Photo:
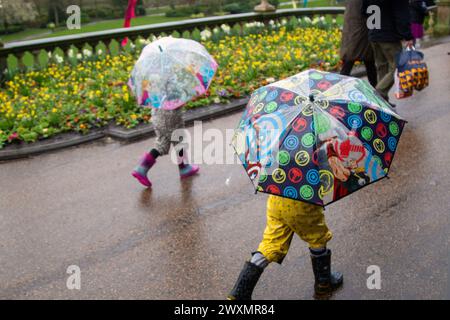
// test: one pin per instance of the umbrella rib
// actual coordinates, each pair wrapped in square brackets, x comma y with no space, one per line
[316,139]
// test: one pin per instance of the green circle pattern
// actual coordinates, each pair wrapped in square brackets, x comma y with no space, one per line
[308,140]
[316,76]
[283,158]
[355,107]
[271,107]
[367,133]
[307,192]
[393,128]
[262,177]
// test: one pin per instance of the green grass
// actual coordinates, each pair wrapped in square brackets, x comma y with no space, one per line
[114,24]
[21,35]
[98,26]
[311,4]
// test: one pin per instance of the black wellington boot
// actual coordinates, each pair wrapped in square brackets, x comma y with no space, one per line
[325,281]
[246,282]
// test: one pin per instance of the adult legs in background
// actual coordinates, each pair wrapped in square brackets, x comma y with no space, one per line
[385,53]
[347,67]
[371,70]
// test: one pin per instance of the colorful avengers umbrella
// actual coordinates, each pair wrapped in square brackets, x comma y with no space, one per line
[316,137]
[171,72]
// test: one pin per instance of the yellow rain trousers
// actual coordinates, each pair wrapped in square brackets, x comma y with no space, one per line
[286,217]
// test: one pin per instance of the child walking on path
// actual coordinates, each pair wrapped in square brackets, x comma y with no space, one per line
[164,122]
[169,73]
[284,218]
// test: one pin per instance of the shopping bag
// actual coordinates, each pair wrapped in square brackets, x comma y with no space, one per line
[411,73]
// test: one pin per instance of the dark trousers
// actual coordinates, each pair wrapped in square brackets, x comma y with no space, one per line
[370,68]
[385,53]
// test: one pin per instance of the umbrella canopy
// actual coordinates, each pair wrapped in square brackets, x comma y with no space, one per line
[171,72]
[316,137]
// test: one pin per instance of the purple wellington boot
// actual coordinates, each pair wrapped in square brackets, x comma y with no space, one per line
[140,172]
[186,170]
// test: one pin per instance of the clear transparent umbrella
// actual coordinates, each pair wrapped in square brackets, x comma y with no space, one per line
[171,72]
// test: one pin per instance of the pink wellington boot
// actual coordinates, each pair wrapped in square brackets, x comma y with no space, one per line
[140,172]
[186,170]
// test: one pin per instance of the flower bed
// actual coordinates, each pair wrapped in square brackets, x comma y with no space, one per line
[93,92]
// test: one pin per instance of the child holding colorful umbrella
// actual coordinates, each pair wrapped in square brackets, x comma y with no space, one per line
[329,136]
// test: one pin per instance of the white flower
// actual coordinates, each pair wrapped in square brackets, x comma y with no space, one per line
[333,21]
[70,53]
[59,59]
[283,22]
[216,30]
[322,18]
[99,52]
[216,100]
[87,53]
[270,80]
[255,24]
[307,19]
[50,54]
[205,34]
[225,28]
[79,56]
[271,22]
